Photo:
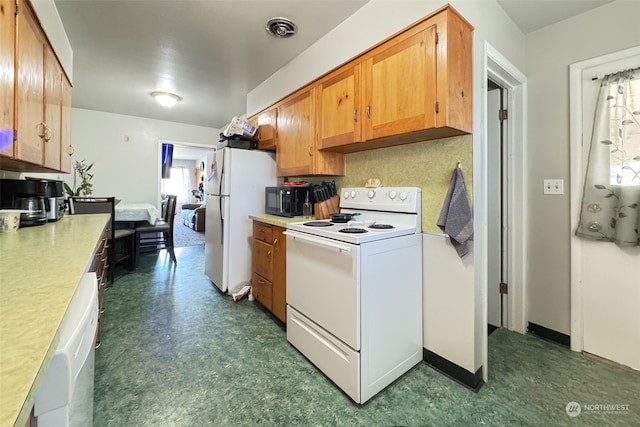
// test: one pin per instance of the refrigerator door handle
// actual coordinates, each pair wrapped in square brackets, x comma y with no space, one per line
[221,179]
[221,221]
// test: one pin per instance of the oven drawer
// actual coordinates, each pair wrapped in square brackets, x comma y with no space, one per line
[338,361]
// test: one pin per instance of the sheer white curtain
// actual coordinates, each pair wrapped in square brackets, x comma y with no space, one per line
[181,183]
[611,196]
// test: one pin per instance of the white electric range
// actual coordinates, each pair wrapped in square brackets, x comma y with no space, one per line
[354,290]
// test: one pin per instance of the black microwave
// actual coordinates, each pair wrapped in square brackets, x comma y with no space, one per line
[285,200]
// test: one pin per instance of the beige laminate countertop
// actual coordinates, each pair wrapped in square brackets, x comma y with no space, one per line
[280,221]
[40,268]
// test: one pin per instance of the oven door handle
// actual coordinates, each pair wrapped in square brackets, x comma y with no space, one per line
[317,241]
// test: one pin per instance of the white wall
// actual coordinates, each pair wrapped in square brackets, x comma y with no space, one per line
[126,150]
[549,53]
[458,342]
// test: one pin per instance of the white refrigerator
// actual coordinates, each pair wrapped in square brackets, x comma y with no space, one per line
[234,190]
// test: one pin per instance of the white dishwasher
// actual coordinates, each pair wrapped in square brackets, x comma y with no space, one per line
[65,397]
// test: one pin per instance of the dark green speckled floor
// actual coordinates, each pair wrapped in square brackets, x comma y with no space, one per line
[175,352]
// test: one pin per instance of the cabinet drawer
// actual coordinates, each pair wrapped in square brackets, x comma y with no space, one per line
[263,232]
[262,290]
[263,259]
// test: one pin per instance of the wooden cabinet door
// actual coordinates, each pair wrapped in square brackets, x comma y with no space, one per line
[7,38]
[279,304]
[52,110]
[65,127]
[29,88]
[338,108]
[262,291]
[400,86]
[267,124]
[262,259]
[455,73]
[295,122]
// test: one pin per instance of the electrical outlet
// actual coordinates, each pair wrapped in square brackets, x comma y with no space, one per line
[554,186]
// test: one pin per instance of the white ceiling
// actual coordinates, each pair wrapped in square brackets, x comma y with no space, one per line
[531,15]
[211,52]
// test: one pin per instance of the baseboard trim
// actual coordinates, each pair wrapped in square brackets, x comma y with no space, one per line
[549,334]
[457,373]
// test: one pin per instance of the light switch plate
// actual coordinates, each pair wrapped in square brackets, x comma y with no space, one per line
[554,186]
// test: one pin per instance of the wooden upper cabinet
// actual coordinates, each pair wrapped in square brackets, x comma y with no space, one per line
[41,98]
[29,88]
[298,153]
[65,127]
[267,124]
[295,135]
[7,38]
[415,86]
[399,86]
[339,112]
[455,74]
[52,110]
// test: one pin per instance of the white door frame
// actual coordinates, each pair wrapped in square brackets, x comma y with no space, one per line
[496,67]
[577,179]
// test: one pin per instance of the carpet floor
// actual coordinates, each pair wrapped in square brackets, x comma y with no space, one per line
[185,236]
[177,352]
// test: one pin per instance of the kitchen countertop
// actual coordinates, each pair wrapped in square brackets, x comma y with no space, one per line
[280,221]
[40,268]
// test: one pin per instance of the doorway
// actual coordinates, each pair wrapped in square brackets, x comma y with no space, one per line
[503,73]
[187,172]
[497,206]
[604,316]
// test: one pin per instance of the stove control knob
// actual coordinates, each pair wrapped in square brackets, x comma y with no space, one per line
[371,194]
[403,196]
[346,195]
[392,194]
[353,194]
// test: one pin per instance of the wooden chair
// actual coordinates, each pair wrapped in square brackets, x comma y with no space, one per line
[158,236]
[93,205]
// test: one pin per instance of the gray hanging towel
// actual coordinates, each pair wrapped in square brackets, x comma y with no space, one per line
[455,217]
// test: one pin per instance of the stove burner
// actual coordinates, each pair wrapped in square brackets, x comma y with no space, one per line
[381,226]
[318,224]
[353,230]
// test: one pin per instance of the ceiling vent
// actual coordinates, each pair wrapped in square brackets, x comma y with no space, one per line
[281,28]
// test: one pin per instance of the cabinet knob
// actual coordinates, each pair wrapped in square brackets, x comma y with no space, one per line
[368,111]
[355,114]
[41,129]
[309,151]
[47,133]
[275,242]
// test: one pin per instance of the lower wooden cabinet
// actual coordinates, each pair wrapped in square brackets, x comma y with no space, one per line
[99,266]
[268,280]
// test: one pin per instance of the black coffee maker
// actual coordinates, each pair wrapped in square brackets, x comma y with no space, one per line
[54,203]
[28,195]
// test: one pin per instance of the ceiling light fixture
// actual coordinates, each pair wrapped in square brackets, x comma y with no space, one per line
[281,27]
[166,99]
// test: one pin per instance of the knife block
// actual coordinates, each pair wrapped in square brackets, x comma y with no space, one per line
[323,209]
